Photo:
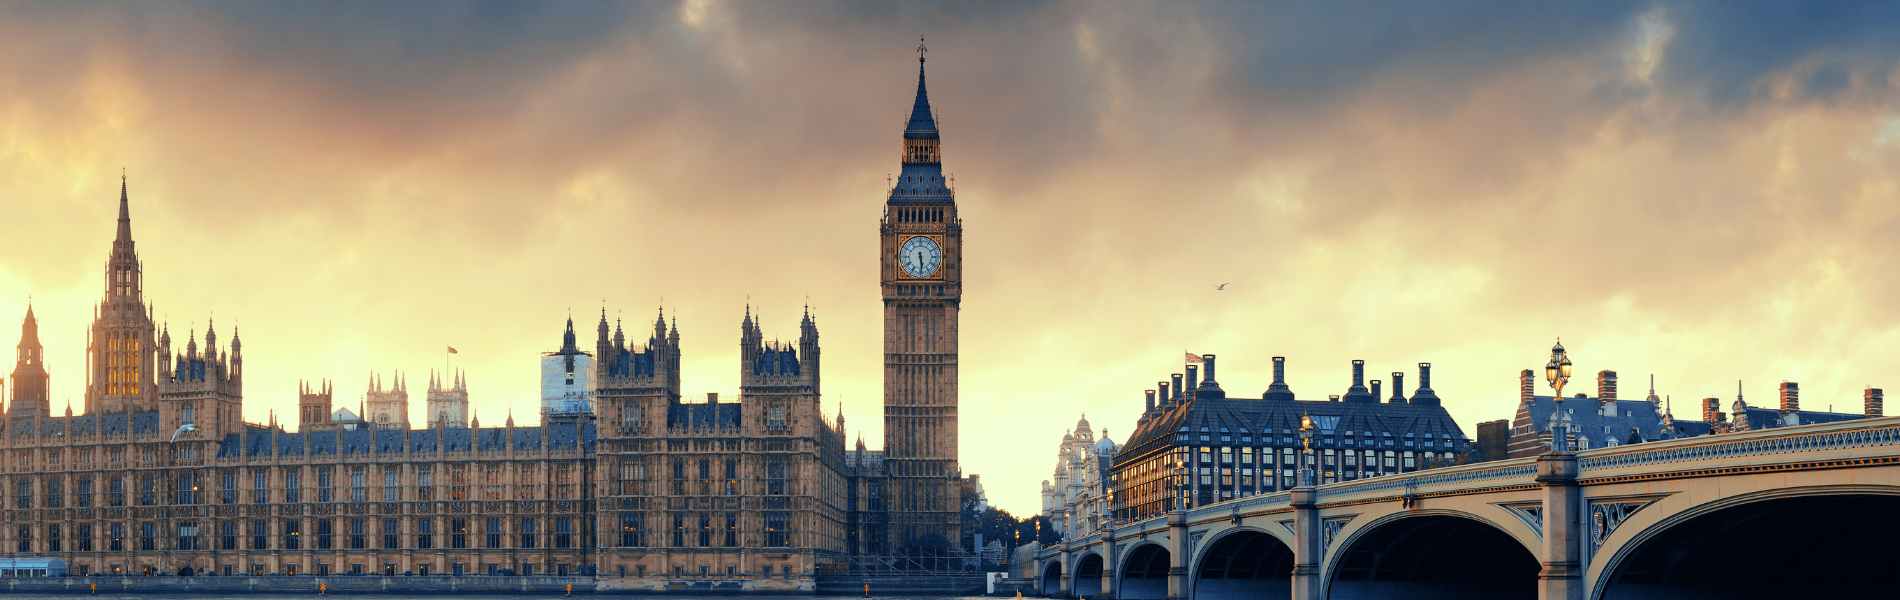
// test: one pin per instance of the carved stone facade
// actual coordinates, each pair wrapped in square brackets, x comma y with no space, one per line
[161,475]
[922,282]
[1075,498]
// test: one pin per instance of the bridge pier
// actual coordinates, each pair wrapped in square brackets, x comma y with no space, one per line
[1177,555]
[1306,542]
[1063,589]
[1561,577]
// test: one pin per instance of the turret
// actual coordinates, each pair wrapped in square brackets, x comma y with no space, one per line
[30,392]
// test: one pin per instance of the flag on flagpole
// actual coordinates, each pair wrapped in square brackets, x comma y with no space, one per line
[1193,358]
[452,350]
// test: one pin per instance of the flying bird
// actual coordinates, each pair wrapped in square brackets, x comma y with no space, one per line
[1222,286]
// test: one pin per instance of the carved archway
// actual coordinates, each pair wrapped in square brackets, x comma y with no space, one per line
[1431,554]
[1822,541]
[1242,562]
[1143,574]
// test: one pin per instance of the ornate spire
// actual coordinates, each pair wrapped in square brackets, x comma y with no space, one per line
[922,125]
[125,212]
[29,329]
[567,338]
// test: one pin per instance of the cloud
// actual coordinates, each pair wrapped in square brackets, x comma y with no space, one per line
[1700,190]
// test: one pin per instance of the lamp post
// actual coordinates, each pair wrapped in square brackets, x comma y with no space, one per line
[1557,372]
[1306,450]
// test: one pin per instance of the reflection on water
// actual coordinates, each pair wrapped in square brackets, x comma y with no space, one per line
[4,596]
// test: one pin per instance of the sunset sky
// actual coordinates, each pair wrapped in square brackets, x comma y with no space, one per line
[1706,192]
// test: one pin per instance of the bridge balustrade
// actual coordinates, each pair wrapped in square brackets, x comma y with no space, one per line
[1598,523]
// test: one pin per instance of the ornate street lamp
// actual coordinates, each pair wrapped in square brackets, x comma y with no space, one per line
[1557,371]
[1306,450]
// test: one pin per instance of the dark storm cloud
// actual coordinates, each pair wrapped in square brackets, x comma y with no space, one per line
[1450,181]
[1725,52]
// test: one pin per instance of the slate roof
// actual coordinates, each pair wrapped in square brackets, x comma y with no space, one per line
[705,414]
[1260,422]
[1632,419]
[1770,418]
[256,442]
[922,125]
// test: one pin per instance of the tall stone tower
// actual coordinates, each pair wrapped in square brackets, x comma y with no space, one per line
[387,407]
[202,387]
[121,348]
[313,405]
[448,401]
[921,252]
[29,374]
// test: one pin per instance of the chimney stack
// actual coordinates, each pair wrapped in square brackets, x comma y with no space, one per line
[1150,402]
[1193,382]
[1873,396]
[1210,388]
[1177,387]
[712,398]
[1790,396]
[1526,386]
[1357,392]
[1375,390]
[1161,394]
[1712,410]
[1424,394]
[1398,387]
[1278,390]
[1606,386]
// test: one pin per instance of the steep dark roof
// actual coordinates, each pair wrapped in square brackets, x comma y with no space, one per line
[145,422]
[1252,421]
[922,125]
[1596,430]
[705,414]
[1770,418]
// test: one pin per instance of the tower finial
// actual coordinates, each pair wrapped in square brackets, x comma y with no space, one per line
[921,49]
[125,211]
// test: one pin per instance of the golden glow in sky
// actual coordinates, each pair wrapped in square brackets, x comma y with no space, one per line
[355,190]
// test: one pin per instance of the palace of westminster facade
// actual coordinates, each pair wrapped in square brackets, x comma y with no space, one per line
[161,474]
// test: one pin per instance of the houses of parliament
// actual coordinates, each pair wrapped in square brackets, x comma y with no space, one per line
[624,479]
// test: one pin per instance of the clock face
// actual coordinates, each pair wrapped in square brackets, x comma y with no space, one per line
[920,257]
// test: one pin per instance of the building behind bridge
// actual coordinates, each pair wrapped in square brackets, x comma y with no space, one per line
[1195,445]
[1607,420]
[1075,498]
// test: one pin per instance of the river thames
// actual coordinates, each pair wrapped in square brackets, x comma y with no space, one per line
[451,597]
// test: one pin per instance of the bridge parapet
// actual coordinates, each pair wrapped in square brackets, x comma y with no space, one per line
[1857,439]
[1607,503]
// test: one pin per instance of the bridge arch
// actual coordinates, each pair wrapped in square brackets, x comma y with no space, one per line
[1143,574]
[1829,541]
[1430,554]
[1051,579]
[1241,562]
[1086,578]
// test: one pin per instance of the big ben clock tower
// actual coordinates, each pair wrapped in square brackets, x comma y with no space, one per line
[921,245]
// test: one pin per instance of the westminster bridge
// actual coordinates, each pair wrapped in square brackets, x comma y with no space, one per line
[1808,511]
